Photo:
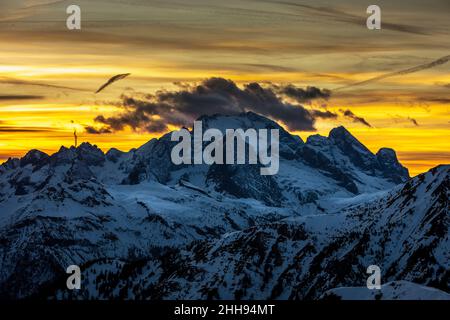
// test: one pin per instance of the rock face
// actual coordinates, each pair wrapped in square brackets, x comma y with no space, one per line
[141,227]
[357,153]
[392,169]
[245,181]
[350,161]
[34,157]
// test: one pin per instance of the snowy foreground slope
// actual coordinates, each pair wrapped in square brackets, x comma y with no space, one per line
[142,228]
[395,290]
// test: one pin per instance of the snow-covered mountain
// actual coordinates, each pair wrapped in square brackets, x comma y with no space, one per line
[141,227]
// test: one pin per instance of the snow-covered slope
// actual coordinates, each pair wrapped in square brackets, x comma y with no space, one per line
[166,231]
[404,231]
[395,290]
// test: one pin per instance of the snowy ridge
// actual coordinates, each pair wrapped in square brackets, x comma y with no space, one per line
[395,290]
[143,228]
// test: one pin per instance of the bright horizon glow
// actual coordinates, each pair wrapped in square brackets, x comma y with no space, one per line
[48,75]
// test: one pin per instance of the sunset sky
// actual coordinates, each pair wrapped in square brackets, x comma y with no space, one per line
[48,74]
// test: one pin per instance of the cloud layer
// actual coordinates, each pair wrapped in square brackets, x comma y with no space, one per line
[154,112]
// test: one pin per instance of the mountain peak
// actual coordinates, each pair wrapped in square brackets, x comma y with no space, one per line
[387,153]
[87,152]
[389,162]
[250,120]
[10,164]
[90,153]
[340,129]
[33,157]
[316,140]
[64,155]
[341,133]
[244,120]
[343,139]
[86,144]
[114,154]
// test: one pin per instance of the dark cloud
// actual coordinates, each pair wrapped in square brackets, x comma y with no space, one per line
[324,114]
[441,100]
[26,129]
[20,97]
[302,95]
[181,107]
[350,115]
[156,126]
[413,121]
[92,130]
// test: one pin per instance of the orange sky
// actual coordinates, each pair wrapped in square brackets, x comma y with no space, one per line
[320,44]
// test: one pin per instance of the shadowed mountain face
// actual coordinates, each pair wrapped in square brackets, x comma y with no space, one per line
[134,220]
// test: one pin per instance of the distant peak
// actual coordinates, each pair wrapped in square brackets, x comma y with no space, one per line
[64,149]
[83,147]
[340,131]
[87,152]
[389,162]
[33,156]
[341,135]
[87,146]
[387,153]
[114,154]
[114,151]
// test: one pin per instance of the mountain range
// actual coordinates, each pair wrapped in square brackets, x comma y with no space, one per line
[141,227]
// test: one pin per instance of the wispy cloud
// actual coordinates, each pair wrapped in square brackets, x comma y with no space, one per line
[398,118]
[20,82]
[350,115]
[440,100]
[418,68]
[93,130]
[342,16]
[414,121]
[16,129]
[20,97]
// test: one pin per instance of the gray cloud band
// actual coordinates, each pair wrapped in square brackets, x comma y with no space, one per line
[154,112]
[421,67]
